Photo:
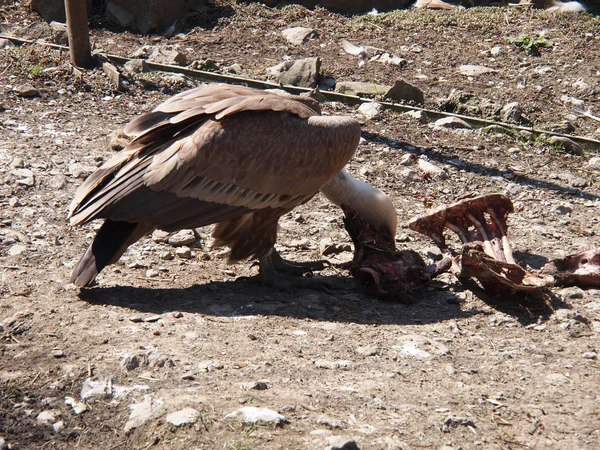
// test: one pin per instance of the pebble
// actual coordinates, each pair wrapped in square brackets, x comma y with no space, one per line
[256,385]
[136,319]
[590,355]
[511,112]
[142,413]
[58,353]
[370,110]
[451,122]
[252,414]
[16,249]
[78,407]
[421,116]
[154,318]
[160,236]
[183,417]
[184,252]
[45,417]
[324,419]
[324,364]
[58,426]
[152,273]
[298,35]
[370,350]
[177,314]
[594,162]
[183,237]
[26,90]
[567,144]
[342,443]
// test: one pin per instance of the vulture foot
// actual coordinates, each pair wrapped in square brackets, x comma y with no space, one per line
[380,269]
[286,276]
[273,262]
[581,269]
[480,223]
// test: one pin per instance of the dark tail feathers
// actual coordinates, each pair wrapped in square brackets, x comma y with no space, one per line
[110,243]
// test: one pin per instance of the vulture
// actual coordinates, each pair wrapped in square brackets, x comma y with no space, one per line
[233,156]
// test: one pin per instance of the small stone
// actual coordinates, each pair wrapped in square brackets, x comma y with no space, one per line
[419,115]
[471,70]
[342,443]
[46,417]
[594,163]
[136,319]
[184,252]
[567,144]
[431,169]
[451,122]
[168,56]
[58,426]
[154,318]
[152,273]
[590,355]
[361,89]
[450,369]
[143,412]
[183,417]
[370,350]
[563,209]
[408,159]
[26,90]
[58,353]
[24,177]
[182,237]
[18,163]
[495,51]
[160,236]
[177,314]
[511,112]
[95,389]
[324,364]
[16,249]
[324,419]
[78,407]
[301,72]
[130,362]
[298,35]
[371,110]
[235,69]
[136,66]
[252,414]
[403,91]
[59,33]
[256,385]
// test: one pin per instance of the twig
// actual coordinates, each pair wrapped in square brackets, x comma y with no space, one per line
[588,114]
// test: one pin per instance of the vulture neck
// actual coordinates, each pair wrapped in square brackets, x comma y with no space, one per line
[372,205]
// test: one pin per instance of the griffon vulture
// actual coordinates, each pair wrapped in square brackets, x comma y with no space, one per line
[228,155]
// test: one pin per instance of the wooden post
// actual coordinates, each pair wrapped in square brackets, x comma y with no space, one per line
[79,38]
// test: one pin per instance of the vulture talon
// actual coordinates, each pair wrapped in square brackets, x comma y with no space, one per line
[274,262]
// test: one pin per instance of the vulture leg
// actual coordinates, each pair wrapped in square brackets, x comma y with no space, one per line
[283,275]
[273,262]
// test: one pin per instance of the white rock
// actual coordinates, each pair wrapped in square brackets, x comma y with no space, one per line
[183,237]
[472,70]
[252,414]
[430,168]
[16,249]
[58,426]
[594,162]
[451,122]
[298,35]
[511,112]
[184,252]
[324,364]
[143,412]
[95,389]
[78,407]
[160,236]
[45,417]
[371,110]
[183,417]
[421,116]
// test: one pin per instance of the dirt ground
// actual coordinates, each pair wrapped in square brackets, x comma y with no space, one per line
[454,369]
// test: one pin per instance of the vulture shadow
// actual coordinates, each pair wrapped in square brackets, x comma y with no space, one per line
[485,171]
[245,297]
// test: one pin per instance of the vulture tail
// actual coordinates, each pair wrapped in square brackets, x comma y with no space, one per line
[110,243]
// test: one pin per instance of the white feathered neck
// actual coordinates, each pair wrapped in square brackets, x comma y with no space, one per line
[370,203]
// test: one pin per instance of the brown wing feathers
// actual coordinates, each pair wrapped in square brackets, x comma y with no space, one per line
[230,155]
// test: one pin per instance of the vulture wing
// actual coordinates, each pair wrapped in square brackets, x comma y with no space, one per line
[215,153]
